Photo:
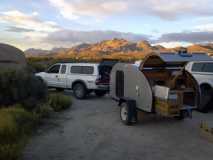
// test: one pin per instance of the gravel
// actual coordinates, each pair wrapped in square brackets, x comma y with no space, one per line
[92,130]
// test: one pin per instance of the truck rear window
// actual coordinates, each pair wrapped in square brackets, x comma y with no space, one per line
[82,69]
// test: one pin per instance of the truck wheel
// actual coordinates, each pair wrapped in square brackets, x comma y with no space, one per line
[100,93]
[124,114]
[79,91]
[206,98]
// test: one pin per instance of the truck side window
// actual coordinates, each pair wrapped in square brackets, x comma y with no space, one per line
[63,69]
[87,70]
[208,67]
[197,67]
[82,69]
[54,69]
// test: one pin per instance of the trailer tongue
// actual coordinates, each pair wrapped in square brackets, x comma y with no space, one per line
[159,85]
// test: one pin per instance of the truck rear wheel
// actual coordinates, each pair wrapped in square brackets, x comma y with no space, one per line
[79,91]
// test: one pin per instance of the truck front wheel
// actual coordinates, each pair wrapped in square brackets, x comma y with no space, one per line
[79,91]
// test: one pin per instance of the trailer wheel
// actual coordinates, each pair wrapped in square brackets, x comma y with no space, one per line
[124,114]
[128,112]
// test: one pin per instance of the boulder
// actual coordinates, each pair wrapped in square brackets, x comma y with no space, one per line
[11,57]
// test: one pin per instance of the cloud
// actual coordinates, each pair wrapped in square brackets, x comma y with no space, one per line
[18,29]
[29,29]
[164,9]
[74,37]
[171,10]
[205,27]
[191,37]
[97,8]
[26,21]
[173,44]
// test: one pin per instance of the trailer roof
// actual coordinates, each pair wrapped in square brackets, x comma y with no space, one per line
[173,59]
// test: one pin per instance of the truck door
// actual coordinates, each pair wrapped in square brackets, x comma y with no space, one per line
[62,77]
[52,76]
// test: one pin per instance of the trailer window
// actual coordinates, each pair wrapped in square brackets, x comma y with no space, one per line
[197,67]
[119,83]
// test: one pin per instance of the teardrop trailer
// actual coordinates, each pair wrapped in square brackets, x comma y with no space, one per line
[160,85]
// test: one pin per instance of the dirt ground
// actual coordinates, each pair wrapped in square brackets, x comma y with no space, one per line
[92,130]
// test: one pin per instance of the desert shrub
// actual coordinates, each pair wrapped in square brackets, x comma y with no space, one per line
[25,120]
[15,125]
[59,101]
[21,87]
[36,67]
[44,110]
[11,151]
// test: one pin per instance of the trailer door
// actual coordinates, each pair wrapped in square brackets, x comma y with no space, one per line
[119,84]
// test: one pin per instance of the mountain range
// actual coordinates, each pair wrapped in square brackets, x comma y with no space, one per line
[115,48]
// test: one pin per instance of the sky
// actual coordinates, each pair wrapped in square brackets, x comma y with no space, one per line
[63,23]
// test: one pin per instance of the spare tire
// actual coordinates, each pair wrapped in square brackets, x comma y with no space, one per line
[206,98]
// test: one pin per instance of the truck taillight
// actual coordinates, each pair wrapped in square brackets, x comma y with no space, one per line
[98,80]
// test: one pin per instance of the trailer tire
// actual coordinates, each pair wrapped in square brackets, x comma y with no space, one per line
[128,112]
[124,114]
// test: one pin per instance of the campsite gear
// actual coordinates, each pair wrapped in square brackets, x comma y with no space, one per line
[206,130]
[159,85]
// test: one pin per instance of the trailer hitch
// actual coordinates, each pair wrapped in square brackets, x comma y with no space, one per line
[187,111]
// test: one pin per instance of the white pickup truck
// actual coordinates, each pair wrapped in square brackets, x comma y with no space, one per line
[202,71]
[82,78]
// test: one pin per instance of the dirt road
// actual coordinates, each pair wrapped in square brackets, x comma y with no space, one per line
[92,130]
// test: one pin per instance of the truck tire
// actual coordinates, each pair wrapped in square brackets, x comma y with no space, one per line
[79,91]
[100,93]
[128,112]
[206,98]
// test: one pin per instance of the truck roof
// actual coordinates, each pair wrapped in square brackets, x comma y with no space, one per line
[80,64]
